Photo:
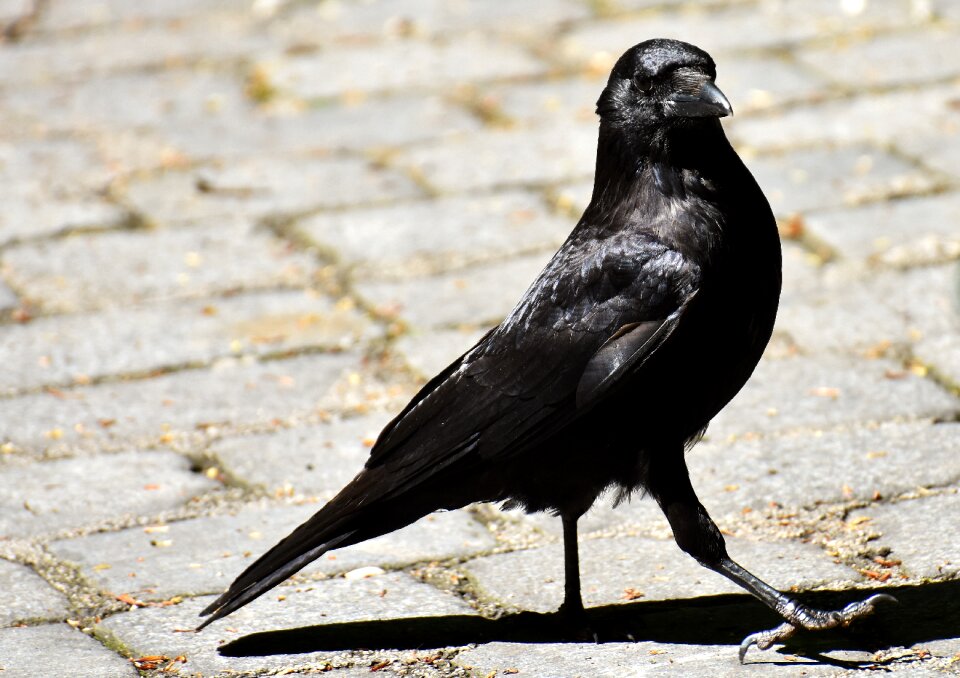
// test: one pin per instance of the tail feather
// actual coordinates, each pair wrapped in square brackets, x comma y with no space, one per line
[268,571]
[348,518]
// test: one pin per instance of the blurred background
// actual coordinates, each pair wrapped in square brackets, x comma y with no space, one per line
[237,235]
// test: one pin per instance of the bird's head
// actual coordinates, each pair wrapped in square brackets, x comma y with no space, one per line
[662,83]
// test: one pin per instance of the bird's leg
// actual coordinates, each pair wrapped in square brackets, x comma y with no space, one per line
[572,606]
[697,534]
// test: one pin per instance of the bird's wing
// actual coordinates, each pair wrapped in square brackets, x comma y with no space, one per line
[598,310]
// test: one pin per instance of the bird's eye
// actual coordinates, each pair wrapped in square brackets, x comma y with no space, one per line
[642,84]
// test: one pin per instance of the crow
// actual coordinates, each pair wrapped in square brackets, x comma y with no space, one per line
[647,321]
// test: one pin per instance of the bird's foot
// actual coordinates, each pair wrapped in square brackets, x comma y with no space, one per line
[575,622]
[802,617]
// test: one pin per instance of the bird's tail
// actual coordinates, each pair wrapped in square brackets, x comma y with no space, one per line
[348,518]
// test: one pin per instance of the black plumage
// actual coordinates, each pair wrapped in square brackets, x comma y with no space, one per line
[646,322]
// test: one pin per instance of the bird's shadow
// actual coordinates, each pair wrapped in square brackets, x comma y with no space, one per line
[925,613]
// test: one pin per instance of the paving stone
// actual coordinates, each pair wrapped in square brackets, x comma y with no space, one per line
[909,232]
[44,498]
[58,650]
[49,185]
[515,157]
[914,530]
[67,349]
[645,658]
[636,516]
[154,630]
[767,26]
[8,298]
[804,470]
[399,66]
[38,216]
[546,102]
[109,270]
[62,15]
[892,59]
[929,298]
[232,395]
[895,117]
[296,129]
[28,597]
[63,168]
[315,461]
[938,148]
[574,196]
[942,354]
[261,186]
[202,114]
[11,10]
[128,48]
[429,351]
[817,319]
[813,179]
[203,555]
[392,241]
[348,21]
[532,579]
[474,297]
[794,471]
[825,391]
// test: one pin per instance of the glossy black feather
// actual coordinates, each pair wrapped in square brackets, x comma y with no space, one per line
[649,318]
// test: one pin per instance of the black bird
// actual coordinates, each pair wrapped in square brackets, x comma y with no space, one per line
[646,322]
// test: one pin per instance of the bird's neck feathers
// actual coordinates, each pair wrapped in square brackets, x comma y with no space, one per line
[641,165]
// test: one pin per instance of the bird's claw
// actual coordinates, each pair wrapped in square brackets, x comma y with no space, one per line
[813,620]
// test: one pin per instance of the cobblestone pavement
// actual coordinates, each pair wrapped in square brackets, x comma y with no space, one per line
[237,234]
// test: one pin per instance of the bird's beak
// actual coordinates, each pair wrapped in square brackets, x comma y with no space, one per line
[707,102]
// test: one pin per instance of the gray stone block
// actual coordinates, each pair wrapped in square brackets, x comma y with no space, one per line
[50,497]
[929,299]
[315,461]
[805,470]
[474,297]
[817,179]
[203,555]
[192,405]
[827,391]
[894,117]
[533,579]
[27,596]
[67,349]
[765,26]
[446,233]
[127,268]
[496,158]
[264,186]
[295,128]
[942,354]
[792,471]
[644,658]
[894,59]
[63,15]
[58,650]
[911,232]
[916,532]
[398,66]
[387,596]
[130,47]
[346,22]
[8,298]
[938,148]
[429,351]
[39,216]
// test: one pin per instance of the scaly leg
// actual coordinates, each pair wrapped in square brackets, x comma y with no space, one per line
[698,535]
[572,606]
